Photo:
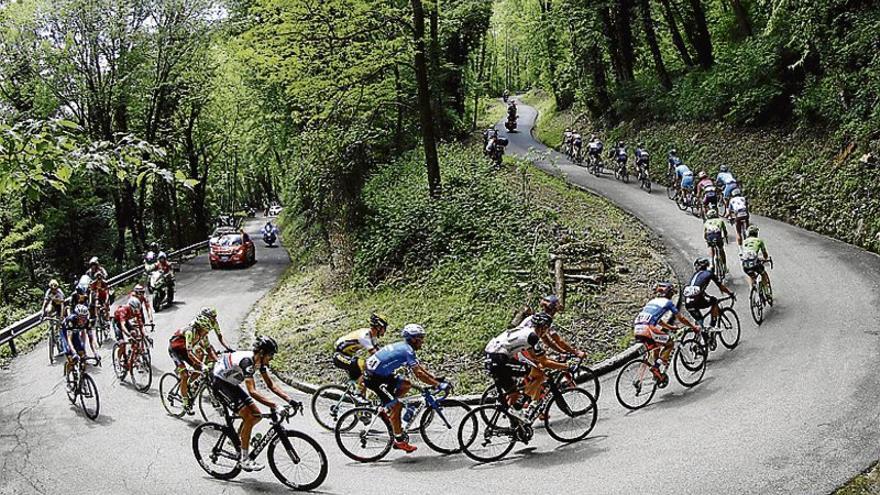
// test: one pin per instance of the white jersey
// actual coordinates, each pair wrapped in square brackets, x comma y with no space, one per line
[739,206]
[236,367]
[515,340]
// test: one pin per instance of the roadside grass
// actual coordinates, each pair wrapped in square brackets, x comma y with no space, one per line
[453,273]
[491,111]
[867,483]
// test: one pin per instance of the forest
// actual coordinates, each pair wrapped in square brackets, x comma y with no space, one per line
[128,122]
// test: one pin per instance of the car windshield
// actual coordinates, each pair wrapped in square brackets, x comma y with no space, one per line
[230,240]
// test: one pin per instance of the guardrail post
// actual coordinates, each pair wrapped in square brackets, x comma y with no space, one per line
[12,348]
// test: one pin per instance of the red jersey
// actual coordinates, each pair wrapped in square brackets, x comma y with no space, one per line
[142,298]
[124,313]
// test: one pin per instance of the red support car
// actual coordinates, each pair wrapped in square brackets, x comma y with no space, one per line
[231,247]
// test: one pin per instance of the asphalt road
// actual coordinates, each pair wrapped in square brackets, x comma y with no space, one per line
[793,409]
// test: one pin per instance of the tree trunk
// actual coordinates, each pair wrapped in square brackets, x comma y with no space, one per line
[612,42]
[602,105]
[424,100]
[677,40]
[398,124]
[701,38]
[434,78]
[478,86]
[742,17]
[623,31]
[651,38]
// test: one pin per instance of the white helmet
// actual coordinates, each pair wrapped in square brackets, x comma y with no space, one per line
[412,331]
[94,260]
[81,310]
[134,303]
[162,255]
[151,256]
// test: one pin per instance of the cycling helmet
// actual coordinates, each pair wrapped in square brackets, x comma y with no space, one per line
[736,192]
[550,301]
[94,260]
[412,331]
[724,168]
[266,345]
[752,231]
[541,320]
[81,289]
[673,151]
[53,284]
[664,289]
[81,310]
[378,321]
[162,255]
[701,263]
[702,174]
[641,145]
[620,144]
[151,256]
[134,303]
[139,289]
[713,213]
[208,312]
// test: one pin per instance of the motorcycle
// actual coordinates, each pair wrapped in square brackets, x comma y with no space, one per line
[162,287]
[269,238]
[497,153]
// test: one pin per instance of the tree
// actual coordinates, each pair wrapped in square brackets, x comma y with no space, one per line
[651,39]
[426,117]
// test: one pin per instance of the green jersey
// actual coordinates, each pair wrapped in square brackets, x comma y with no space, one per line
[714,229]
[754,245]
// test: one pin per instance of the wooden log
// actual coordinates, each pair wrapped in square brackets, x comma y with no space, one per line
[560,281]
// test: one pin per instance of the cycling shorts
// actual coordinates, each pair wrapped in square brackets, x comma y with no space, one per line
[704,301]
[715,239]
[78,344]
[232,396]
[753,268]
[651,334]
[352,365]
[180,358]
[687,182]
[728,188]
[385,387]
[505,370]
[710,199]
[117,329]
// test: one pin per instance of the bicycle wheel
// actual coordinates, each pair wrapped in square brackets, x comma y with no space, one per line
[682,202]
[329,403]
[756,305]
[369,437]
[72,384]
[303,467]
[586,378]
[53,341]
[728,322]
[635,385]
[690,360]
[118,366]
[88,396]
[439,427]
[210,408]
[169,392]
[671,192]
[487,440]
[216,450]
[142,372]
[571,415]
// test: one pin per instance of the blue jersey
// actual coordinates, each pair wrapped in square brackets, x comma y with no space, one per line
[725,178]
[654,310]
[72,324]
[391,358]
[674,161]
[682,170]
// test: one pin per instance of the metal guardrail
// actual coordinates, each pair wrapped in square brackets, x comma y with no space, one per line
[19,328]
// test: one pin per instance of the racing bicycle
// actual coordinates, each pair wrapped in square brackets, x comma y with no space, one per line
[760,296]
[81,386]
[295,458]
[210,408]
[332,401]
[638,380]
[136,362]
[489,432]
[364,433]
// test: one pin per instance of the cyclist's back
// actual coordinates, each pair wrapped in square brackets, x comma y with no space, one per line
[390,358]
[235,367]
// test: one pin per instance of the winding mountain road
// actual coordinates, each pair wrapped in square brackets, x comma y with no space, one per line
[794,409]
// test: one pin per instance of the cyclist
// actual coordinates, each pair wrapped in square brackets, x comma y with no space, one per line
[594,148]
[73,329]
[189,346]
[140,292]
[707,192]
[696,298]
[566,141]
[226,380]
[349,345]
[95,269]
[673,161]
[551,338]
[619,154]
[715,233]
[80,295]
[99,294]
[727,181]
[379,376]
[577,142]
[651,330]
[684,178]
[738,212]
[519,352]
[753,257]
[123,327]
[53,300]
[642,159]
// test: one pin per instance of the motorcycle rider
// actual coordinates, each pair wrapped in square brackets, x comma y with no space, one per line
[269,230]
[95,268]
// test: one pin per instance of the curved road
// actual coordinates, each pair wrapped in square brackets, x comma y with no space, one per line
[793,409]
